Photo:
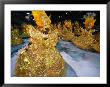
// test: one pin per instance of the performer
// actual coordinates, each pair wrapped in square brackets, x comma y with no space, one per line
[40,58]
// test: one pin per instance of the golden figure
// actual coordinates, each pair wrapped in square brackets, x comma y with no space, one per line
[67,33]
[77,28]
[85,39]
[24,31]
[89,20]
[15,36]
[40,58]
[68,25]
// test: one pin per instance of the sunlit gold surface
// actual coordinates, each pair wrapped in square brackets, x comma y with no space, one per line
[41,58]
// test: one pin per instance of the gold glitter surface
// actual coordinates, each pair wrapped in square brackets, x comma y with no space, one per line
[41,58]
[86,40]
[41,18]
[89,22]
[15,37]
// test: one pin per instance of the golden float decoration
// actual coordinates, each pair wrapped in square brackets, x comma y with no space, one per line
[40,58]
